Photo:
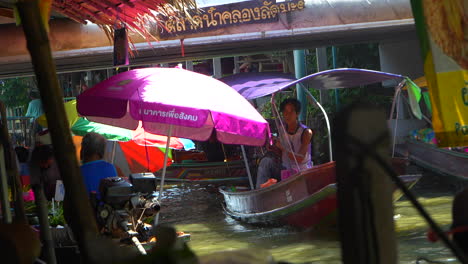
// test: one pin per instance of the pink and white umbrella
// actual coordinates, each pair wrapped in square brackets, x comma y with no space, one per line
[174,102]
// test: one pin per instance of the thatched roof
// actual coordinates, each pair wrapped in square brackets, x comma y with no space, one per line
[135,15]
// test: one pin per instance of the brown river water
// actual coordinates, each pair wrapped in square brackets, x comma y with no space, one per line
[197,209]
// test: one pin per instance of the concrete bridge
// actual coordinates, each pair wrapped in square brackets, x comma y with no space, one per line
[318,23]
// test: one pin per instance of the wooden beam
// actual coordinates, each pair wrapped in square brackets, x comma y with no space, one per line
[83,221]
[365,218]
[6,12]
[12,169]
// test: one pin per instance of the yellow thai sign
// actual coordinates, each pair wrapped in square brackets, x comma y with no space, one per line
[215,17]
[441,29]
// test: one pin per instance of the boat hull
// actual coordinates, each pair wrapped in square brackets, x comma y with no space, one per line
[206,172]
[303,214]
[303,201]
[439,160]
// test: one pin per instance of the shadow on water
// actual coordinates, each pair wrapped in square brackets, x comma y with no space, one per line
[197,209]
[435,192]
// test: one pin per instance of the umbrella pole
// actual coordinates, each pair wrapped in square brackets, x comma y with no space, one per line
[247,168]
[166,154]
[114,146]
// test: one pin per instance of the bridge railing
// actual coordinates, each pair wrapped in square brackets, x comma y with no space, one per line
[20,128]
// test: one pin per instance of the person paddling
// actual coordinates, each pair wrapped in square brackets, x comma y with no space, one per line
[295,146]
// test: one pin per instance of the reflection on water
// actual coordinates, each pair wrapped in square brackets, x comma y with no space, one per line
[197,209]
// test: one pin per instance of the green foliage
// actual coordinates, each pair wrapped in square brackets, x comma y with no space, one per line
[15,92]
[365,56]
[266,109]
[30,207]
[57,217]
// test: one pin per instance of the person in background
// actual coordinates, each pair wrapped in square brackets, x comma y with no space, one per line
[23,155]
[35,110]
[295,146]
[46,173]
[35,105]
[93,167]
[213,149]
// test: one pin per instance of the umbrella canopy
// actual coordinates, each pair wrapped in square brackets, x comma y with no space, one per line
[81,126]
[191,105]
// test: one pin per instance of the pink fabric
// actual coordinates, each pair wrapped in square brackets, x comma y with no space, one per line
[287,173]
[194,104]
[28,196]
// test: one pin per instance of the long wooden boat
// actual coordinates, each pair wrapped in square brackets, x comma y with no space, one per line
[305,200]
[439,160]
[206,172]
[302,200]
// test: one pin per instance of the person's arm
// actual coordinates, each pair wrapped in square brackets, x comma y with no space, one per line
[120,172]
[306,138]
[305,141]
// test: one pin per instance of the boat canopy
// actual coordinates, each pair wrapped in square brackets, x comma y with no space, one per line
[255,85]
[252,85]
[344,78]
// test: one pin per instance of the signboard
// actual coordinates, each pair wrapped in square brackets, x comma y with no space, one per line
[215,17]
[441,29]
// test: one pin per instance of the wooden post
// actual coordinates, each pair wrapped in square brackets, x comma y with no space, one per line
[79,208]
[12,169]
[322,65]
[236,64]
[45,232]
[365,190]
[189,65]
[217,68]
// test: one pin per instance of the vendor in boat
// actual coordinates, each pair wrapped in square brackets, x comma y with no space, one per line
[295,145]
[94,168]
[297,154]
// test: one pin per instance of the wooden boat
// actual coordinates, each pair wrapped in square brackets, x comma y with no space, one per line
[301,200]
[304,200]
[309,197]
[439,160]
[206,172]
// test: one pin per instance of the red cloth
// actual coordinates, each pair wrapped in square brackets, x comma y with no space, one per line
[143,159]
[270,182]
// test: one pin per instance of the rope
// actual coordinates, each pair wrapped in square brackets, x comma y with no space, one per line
[401,185]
